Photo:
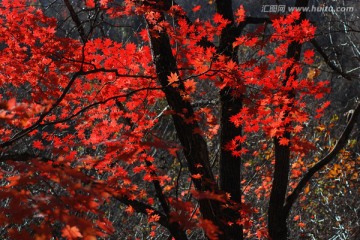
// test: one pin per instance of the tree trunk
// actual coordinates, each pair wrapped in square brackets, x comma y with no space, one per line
[230,166]
[277,216]
[194,145]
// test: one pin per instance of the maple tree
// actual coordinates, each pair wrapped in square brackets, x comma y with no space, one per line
[82,118]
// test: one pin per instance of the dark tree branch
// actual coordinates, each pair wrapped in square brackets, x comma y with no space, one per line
[25,131]
[96,104]
[22,157]
[248,20]
[164,220]
[76,20]
[328,61]
[341,143]
[256,20]
[143,208]
[165,65]
[38,124]
[158,189]
[173,227]
[116,72]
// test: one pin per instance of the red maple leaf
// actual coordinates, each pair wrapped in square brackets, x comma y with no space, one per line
[284,141]
[38,144]
[196,8]
[71,233]
[240,14]
[173,78]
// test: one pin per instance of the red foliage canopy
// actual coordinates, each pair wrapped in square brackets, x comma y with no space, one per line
[88,110]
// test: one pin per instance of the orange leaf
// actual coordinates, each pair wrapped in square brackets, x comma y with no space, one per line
[190,85]
[11,103]
[210,229]
[71,232]
[90,237]
[196,176]
[307,189]
[173,78]
[130,210]
[240,14]
[301,224]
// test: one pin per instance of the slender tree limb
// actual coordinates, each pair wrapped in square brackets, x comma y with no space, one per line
[84,109]
[328,61]
[22,157]
[248,20]
[341,143]
[164,220]
[158,190]
[76,20]
[116,72]
[143,208]
[25,131]
[38,124]
[256,20]
[173,227]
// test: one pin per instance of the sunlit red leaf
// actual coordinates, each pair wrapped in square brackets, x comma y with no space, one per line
[71,232]
[196,8]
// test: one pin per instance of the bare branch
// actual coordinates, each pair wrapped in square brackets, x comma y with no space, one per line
[326,160]
[76,20]
[21,157]
[328,62]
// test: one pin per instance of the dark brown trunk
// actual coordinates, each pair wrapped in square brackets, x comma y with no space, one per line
[230,166]
[277,216]
[230,176]
[194,145]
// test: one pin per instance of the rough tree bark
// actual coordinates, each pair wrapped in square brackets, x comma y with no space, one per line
[194,145]
[230,166]
[277,217]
